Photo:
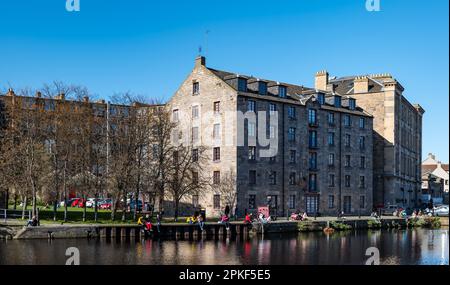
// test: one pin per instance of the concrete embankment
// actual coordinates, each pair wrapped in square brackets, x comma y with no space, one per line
[187,231]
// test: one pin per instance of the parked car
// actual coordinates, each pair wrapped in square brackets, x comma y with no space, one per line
[90,203]
[105,205]
[75,202]
[441,211]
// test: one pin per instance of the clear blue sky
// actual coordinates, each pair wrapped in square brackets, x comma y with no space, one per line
[148,47]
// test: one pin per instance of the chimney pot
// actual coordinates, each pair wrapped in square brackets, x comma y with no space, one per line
[38,94]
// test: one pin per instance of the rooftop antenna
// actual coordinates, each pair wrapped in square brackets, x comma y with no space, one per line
[206,41]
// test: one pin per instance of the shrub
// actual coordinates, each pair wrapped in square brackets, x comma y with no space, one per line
[373,224]
[340,226]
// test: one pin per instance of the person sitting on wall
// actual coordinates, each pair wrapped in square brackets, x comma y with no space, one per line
[192,220]
[304,216]
[34,222]
[248,219]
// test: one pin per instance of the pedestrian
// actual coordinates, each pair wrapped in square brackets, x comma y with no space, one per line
[201,222]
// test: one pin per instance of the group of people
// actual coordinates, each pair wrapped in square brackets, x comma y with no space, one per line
[146,223]
[299,216]
[197,219]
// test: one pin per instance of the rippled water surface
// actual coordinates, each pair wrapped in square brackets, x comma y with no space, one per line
[417,246]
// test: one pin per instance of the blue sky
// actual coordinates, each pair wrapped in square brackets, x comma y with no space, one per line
[148,47]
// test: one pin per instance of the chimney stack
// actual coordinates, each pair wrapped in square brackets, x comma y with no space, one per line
[321,80]
[200,61]
[10,92]
[38,94]
[361,84]
[86,99]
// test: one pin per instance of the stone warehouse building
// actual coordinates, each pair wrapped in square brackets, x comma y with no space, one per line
[321,142]
[397,136]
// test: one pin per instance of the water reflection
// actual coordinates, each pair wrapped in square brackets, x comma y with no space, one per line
[417,246]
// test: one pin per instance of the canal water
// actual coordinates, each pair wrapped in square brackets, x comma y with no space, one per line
[409,247]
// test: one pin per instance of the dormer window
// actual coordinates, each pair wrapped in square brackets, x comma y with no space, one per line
[262,88]
[352,104]
[321,98]
[242,84]
[337,101]
[282,92]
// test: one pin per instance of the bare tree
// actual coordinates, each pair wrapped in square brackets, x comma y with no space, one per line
[186,175]
[227,188]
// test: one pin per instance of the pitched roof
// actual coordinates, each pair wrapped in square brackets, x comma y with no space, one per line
[295,92]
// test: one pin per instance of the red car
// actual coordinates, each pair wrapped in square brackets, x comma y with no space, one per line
[78,202]
[105,206]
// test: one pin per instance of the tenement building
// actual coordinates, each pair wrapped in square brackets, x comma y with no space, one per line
[397,136]
[288,147]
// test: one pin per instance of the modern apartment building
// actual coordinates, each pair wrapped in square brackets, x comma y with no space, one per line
[397,136]
[290,147]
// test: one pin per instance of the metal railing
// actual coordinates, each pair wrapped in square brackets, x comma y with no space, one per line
[13,214]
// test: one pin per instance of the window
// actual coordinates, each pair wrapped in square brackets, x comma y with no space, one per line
[252,201]
[347,180]
[331,118]
[347,160]
[216,177]
[313,182]
[291,112]
[292,180]
[291,202]
[251,152]
[347,204]
[251,106]
[194,177]
[312,116]
[331,139]
[321,98]
[282,91]
[362,202]
[331,159]
[195,112]
[337,101]
[362,123]
[362,162]
[362,182]
[313,160]
[251,128]
[292,156]
[195,88]
[291,134]
[362,142]
[195,155]
[216,154]
[272,108]
[331,179]
[175,117]
[195,201]
[242,84]
[312,139]
[216,131]
[252,177]
[330,201]
[216,107]
[194,134]
[347,121]
[352,104]
[262,88]
[347,138]
[216,201]
[312,205]
[273,178]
